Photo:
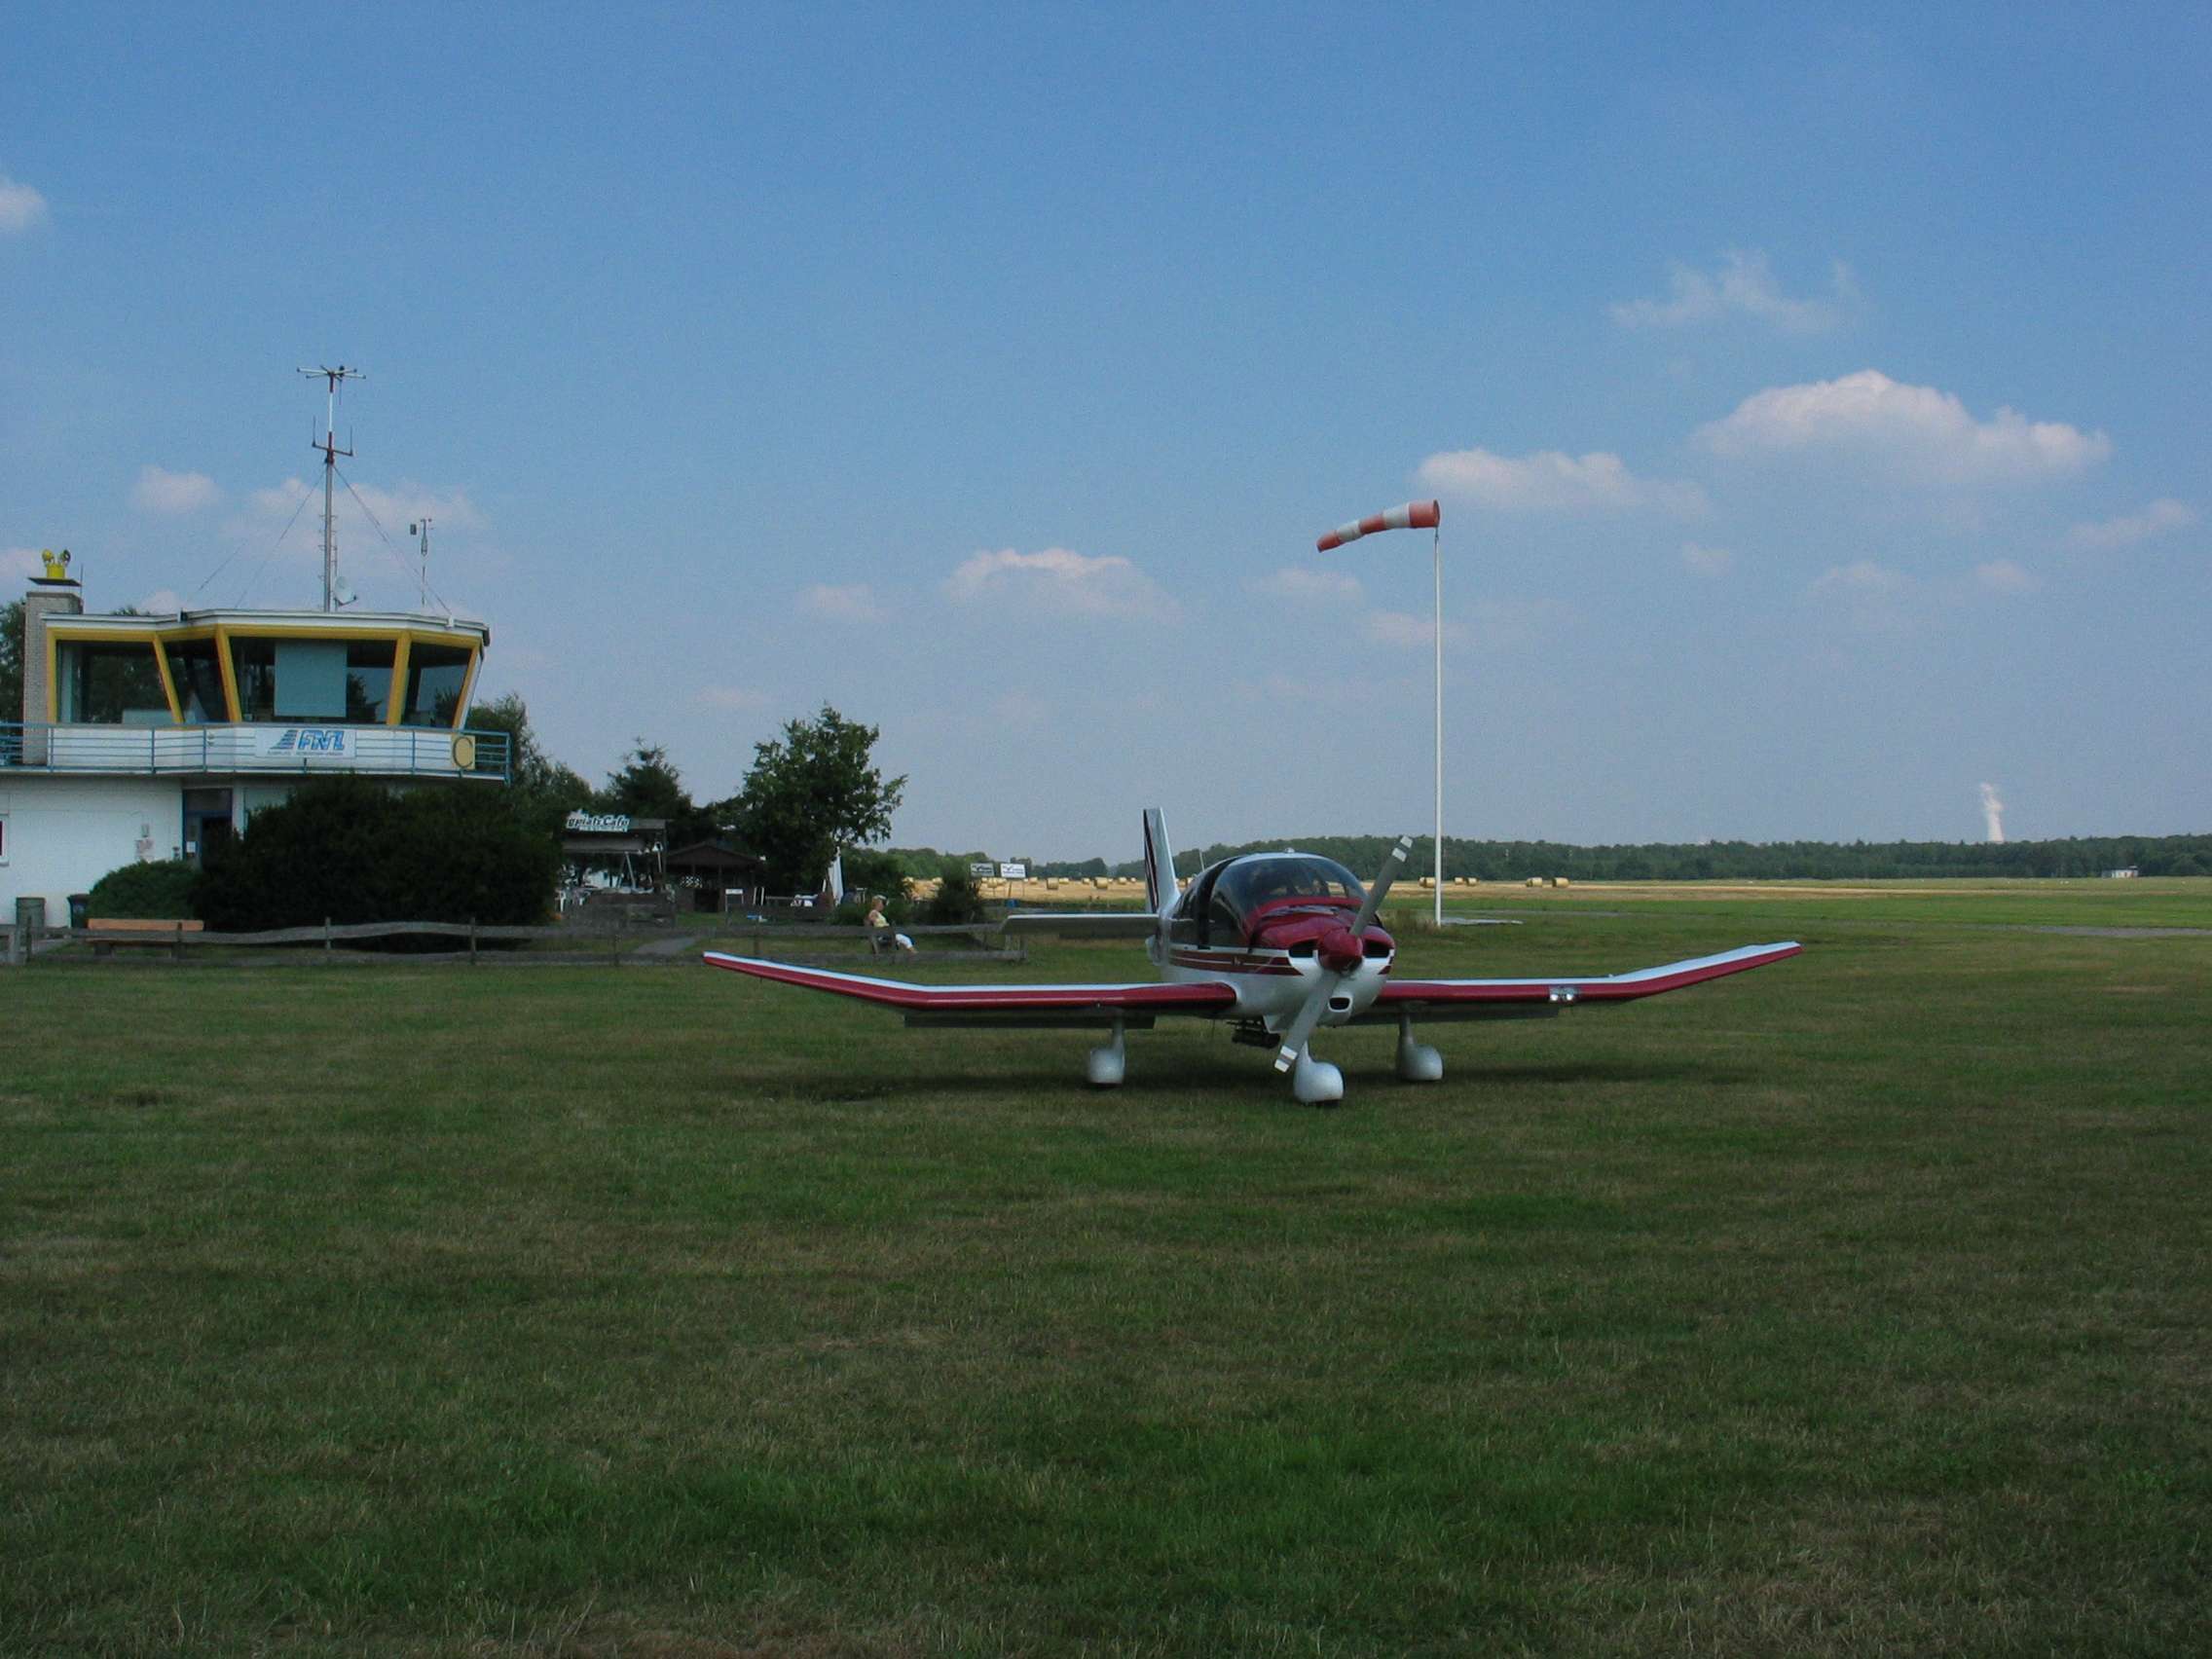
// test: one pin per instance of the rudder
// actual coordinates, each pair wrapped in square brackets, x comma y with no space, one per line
[1160,889]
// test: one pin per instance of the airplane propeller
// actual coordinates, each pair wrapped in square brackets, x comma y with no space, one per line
[1339,957]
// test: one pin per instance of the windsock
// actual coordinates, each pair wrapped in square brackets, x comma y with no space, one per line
[1414,515]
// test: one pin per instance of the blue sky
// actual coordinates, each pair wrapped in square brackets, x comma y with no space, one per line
[1818,401]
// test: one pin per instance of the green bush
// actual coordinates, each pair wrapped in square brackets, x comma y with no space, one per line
[354,851]
[956,900]
[146,892]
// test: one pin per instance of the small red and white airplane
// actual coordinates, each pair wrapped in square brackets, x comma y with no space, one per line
[1276,944]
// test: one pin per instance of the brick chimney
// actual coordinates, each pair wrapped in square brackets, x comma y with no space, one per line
[57,593]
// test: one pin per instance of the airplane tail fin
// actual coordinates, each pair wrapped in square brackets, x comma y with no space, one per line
[1160,889]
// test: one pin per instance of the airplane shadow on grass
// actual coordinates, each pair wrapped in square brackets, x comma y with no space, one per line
[1238,1079]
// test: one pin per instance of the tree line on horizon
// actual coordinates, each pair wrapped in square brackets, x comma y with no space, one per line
[1747,861]
[1671,861]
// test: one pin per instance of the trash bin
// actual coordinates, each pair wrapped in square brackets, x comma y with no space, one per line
[80,912]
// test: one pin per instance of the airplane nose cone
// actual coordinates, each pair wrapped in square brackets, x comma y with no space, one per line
[1340,950]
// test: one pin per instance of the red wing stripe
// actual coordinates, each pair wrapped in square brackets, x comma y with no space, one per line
[898,993]
[1614,987]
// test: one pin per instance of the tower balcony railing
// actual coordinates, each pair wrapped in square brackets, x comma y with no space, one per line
[280,748]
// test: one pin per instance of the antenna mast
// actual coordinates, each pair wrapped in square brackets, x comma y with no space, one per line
[421,527]
[330,453]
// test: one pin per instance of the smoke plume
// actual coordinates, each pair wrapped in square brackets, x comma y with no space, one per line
[1993,813]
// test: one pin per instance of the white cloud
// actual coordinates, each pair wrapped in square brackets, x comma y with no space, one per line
[1550,481]
[405,503]
[394,508]
[2157,519]
[20,206]
[1868,596]
[2003,576]
[1707,561]
[1915,430]
[1059,582]
[1404,630]
[1328,587]
[854,602]
[1744,286]
[735,697]
[1863,580]
[160,491]
[1332,692]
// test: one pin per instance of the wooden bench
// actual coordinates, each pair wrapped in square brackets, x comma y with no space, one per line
[106,934]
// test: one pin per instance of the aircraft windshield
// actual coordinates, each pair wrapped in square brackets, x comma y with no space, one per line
[1252,882]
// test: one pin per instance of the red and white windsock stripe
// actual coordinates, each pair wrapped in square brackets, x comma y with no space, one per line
[1414,515]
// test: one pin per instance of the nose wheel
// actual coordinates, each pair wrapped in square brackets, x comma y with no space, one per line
[1316,1083]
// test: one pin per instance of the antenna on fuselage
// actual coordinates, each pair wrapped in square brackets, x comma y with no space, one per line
[330,453]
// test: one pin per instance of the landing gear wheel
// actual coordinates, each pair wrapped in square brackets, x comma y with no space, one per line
[1105,1067]
[1417,1062]
[1316,1083]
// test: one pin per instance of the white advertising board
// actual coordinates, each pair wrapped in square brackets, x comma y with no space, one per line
[303,742]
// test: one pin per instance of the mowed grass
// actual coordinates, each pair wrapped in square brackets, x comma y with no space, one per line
[1860,1305]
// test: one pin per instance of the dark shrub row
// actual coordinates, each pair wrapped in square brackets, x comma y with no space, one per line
[350,851]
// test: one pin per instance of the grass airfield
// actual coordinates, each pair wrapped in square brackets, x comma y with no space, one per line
[1859,1305]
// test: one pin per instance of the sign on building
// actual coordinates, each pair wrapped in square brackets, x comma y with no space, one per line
[298,742]
[600,823]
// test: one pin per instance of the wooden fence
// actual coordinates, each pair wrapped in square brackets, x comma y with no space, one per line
[574,945]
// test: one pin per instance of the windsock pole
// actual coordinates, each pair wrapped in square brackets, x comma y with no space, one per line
[1436,546]
[1414,515]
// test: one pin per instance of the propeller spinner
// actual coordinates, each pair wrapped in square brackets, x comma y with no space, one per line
[1341,952]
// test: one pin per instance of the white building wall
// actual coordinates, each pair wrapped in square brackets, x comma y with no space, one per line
[64,834]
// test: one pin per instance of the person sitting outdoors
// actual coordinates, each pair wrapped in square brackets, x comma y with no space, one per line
[880,936]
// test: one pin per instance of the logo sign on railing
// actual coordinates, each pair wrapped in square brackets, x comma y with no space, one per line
[600,823]
[290,743]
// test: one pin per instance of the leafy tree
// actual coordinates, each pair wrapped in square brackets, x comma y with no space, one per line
[809,793]
[12,662]
[647,785]
[543,791]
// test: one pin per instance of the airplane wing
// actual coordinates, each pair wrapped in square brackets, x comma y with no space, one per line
[1507,999]
[1135,1006]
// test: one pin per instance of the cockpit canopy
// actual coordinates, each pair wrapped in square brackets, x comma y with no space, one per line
[1224,898]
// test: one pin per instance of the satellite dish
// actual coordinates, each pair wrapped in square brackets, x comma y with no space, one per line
[342,594]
